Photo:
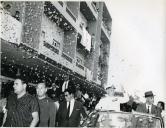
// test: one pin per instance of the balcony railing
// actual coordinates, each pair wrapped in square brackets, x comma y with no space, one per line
[10,28]
[106,28]
[88,10]
[94,7]
[103,61]
[71,14]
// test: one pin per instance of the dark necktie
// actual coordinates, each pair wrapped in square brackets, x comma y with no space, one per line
[68,111]
[148,109]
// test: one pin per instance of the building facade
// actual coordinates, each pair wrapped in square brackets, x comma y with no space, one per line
[48,39]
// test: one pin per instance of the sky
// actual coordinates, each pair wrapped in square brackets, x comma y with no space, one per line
[137,53]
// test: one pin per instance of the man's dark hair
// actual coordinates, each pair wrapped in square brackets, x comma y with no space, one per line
[162,104]
[24,81]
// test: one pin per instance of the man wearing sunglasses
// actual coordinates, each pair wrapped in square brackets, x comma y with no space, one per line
[70,110]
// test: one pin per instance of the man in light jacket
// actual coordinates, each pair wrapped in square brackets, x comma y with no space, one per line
[110,101]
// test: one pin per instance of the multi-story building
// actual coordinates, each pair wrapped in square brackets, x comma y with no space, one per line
[46,40]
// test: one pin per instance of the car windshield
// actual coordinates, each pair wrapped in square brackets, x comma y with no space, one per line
[122,120]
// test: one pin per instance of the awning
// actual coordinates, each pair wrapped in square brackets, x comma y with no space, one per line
[36,67]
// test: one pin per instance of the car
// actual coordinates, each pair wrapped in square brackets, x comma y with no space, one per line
[113,119]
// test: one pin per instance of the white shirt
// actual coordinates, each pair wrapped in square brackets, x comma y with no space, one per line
[112,103]
[86,96]
[150,106]
[71,106]
[65,85]
[57,104]
[163,114]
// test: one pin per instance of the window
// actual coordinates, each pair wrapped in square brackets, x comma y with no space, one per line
[79,63]
[61,3]
[79,60]
[43,34]
[56,43]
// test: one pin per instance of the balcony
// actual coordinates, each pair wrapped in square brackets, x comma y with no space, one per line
[88,10]
[73,7]
[105,32]
[106,14]
[106,21]
[10,28]
[62,16]
[103,61]
[71,14]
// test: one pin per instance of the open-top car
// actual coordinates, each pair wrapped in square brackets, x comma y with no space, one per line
[112,119]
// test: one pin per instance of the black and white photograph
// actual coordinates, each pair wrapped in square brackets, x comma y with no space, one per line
[83,63]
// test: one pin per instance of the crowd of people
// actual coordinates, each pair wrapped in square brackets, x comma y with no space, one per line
[68,105]
[63,106]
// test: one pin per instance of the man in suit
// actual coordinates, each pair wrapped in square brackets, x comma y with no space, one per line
[62,84]
[70,110]
[148,106]
[67,83]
